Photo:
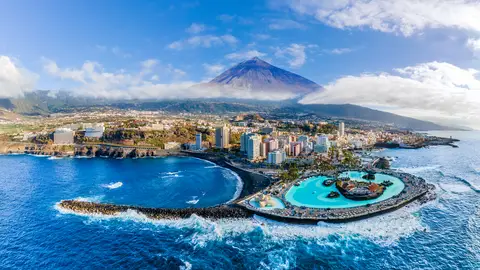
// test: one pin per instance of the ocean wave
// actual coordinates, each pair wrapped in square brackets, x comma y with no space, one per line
[455,188]
[34,155]
[211,167]
[172,176]
[238,186]
[466,182]
[96,198]
[414,170]
[16,154]
[54,158]
[383,230]
[82,157]
[193,201]
[113,185]
[172,173]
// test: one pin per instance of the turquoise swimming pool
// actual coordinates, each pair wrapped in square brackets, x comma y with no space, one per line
[277,204]
[312,193]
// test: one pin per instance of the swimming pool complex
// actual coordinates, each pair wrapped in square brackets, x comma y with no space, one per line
[312,193]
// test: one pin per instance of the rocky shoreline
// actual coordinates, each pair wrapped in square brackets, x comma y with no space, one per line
[92,208]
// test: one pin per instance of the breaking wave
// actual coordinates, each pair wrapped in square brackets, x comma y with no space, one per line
[113,185]
[384,230]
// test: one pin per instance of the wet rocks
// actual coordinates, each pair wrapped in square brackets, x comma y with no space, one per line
[328,182]
[333,195]
[218,212]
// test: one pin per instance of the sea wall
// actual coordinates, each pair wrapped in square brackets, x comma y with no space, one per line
[92,208]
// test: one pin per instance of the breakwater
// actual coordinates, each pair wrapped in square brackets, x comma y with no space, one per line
[93,208]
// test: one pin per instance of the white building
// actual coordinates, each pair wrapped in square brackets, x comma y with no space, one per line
[172,146]
[198,141]
[341,129]
[222,137]
[323,144]
[95,131]
[63,136]
[276,157]
[253,147]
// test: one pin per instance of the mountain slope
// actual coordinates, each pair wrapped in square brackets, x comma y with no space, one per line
[256,74]
[350,111]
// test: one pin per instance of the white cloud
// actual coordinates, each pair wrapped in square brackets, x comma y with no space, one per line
[213,70]
[240,56]
[196,28]
[282,24]
[406,16]
[339,51]
[434,91]
[14,80]
[94,81]
[473,44]
[205,41]
[295,53]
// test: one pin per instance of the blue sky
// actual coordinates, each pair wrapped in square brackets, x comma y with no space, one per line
[350,47]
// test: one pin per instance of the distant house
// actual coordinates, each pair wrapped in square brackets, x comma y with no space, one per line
[172,146]
[63,136]
[95,131]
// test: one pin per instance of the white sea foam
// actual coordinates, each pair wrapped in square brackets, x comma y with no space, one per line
[212,167]
[173,173]
[193,201]
[414,170]
[384,230]
[455,188]
[172,176]
[15,154]
[186,266]
[54,158]
[238,185]
[33,155]
[96,198]
[82,157]
[113,185]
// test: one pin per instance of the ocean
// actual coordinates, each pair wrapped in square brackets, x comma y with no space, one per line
[34,233]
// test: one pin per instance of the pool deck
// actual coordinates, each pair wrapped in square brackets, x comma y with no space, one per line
[415,188]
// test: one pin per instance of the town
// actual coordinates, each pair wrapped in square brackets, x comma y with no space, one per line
[248,138]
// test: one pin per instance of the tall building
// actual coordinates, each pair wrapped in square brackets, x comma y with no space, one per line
[244,141]
[272,144]
[263,150]
[295,148]
[323,144]
[63,136]
[198,141]
[277,157]
[253,147]
[222,137]
[341,129]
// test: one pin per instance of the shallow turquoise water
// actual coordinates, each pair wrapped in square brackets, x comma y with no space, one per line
[312,193]
[278,204]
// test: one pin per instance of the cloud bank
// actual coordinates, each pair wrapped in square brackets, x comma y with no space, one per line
[404,17]
[433,91]
[14,80]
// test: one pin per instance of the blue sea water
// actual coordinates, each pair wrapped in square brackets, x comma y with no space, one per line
[444,234]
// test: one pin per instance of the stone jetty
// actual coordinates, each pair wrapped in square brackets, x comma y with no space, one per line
[219,212]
